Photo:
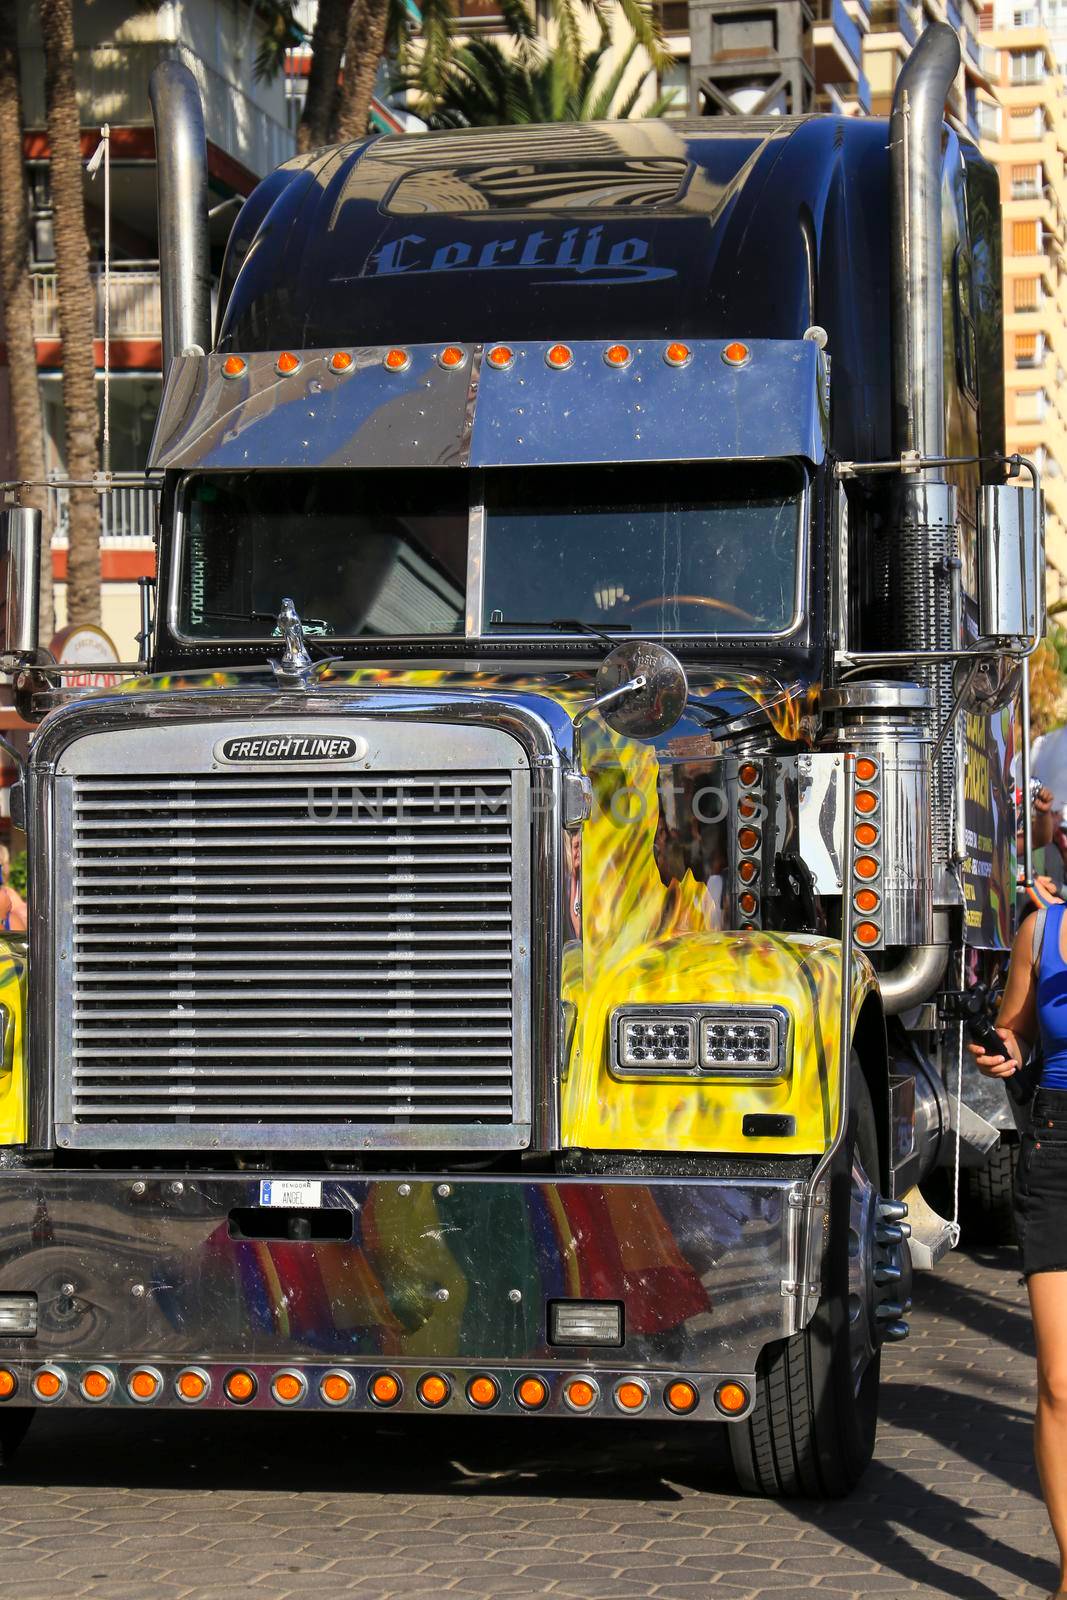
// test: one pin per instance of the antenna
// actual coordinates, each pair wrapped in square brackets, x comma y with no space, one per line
[102,154]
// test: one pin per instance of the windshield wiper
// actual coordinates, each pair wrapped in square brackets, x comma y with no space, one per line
[563,625]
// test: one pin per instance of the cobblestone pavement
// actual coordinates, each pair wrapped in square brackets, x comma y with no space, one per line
[263,1508]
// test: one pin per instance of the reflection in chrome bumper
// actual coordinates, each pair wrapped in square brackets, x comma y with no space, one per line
[455,1273]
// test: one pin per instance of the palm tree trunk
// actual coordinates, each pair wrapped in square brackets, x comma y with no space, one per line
[77,307]
[16,298]
[327,45]
[364,44]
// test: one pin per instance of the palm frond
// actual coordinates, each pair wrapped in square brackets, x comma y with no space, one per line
[601,103]
[646,27]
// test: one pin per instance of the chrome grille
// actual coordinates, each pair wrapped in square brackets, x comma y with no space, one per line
[293,957]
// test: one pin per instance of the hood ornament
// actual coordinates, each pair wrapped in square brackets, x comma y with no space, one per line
[295,665]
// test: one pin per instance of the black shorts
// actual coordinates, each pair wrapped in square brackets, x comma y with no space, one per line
[1041,1185]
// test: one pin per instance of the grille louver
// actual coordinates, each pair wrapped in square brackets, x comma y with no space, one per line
[286,957]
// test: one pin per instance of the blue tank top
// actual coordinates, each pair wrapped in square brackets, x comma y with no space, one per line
[1052,1001]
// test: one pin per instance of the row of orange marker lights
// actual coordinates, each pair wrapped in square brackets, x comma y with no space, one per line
[867,866]
[749,837]
[500,357]
[434,1390]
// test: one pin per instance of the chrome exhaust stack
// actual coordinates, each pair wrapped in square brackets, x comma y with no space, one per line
[923,561]
[181,183]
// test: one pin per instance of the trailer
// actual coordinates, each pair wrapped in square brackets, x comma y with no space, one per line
[505,948]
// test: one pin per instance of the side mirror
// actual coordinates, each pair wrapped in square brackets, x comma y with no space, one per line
[1011,568]
[641,689]
[20,580]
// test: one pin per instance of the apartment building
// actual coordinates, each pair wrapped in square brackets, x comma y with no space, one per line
[1025,127]
[117,45]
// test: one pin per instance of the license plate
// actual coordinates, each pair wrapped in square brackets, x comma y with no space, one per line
[298,1193]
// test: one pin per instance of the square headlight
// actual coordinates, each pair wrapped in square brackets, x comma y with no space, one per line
[743,1044]
[651,1041]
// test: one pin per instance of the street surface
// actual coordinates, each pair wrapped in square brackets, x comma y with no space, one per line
[263,1508]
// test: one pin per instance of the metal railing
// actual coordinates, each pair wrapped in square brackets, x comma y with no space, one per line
[112,86]
[127,511]
[135,303]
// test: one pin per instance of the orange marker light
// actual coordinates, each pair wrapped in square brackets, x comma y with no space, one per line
[144,1384]
[681,1397]
[46,1385]
[559,356]
[618,355]
[531,1393]
[866,769]
[731,1398]
[866,834]
[396,361]
[501,356]
[452,356]
[8,1383]
[736,354]
[748,903]
[192,1386]
[240,1387]
[233,366]
[748,773]
[746,806]
[866,801]
[341,361]
[483,1392]
[866,933]
[385,1389]
[677,355]
[287,362]
[866,867]
[579,1394]
[631,1396]
[748,838]
[287,1387]
[433,1390]
[336,1388]
[95,1385]
[748,871]
[865,900]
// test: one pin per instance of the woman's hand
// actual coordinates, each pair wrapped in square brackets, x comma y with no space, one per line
[1003,1066]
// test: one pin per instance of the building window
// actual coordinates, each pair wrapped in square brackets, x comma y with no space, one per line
[988,120]
[1024,240]
[1026,182]
[1027,122]
[1030,405]
[1026,294]
[1029,349]
[1027,66]
[674,80]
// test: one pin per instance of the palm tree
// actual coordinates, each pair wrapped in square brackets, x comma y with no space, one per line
[486,86]
[327,48]
[16,296]
[368,22]
[77,308]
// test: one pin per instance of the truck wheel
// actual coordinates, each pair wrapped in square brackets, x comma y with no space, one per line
[986,1203]
[812,1431]
[14,1425]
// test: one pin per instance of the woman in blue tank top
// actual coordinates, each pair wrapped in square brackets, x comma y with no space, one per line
[1035,1008]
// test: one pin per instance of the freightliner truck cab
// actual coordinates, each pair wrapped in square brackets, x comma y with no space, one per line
[502,952]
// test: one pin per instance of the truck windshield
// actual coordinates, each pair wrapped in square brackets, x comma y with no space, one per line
[687,549]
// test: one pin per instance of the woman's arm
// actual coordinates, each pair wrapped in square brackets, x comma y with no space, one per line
[1017,1020]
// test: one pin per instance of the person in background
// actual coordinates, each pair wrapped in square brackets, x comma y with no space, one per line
[1035,1008]
[13,918]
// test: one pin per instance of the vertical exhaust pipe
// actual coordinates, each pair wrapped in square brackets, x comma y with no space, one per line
[181,186]
[917,272]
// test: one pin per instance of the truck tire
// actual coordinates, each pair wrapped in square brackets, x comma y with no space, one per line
[811,1433]
[986,1197]
[14,1425]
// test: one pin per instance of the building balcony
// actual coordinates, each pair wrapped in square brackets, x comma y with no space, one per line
[135,302]
[838,44]
[112,85]
[893,16]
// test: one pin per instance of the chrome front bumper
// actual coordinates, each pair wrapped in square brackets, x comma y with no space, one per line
[451,1275]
